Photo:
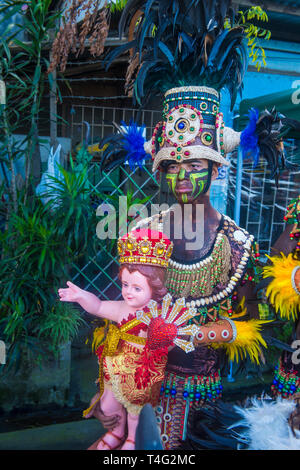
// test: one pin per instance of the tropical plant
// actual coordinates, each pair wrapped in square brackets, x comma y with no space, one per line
[23,70]
[38,249]
[38,243]
[254,34]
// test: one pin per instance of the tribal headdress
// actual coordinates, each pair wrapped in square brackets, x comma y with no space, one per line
[181,49]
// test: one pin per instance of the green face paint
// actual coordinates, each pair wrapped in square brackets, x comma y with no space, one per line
[198,181]
[171,180]
[184,198]
[181,174]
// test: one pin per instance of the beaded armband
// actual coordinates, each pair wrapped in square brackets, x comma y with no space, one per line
[285,383]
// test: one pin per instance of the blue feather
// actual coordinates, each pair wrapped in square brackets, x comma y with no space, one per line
[249,138]
[133,144]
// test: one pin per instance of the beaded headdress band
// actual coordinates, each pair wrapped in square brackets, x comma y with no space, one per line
[192,128]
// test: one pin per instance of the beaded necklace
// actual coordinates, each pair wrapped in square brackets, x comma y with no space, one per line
[195,279]
[199,279]
[209,306]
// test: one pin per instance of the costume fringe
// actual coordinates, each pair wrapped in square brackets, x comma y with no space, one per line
[280,290]
[248,341]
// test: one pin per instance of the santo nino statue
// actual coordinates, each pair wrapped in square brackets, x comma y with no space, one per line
[214,278]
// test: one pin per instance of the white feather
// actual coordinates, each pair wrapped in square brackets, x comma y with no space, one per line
[266,423]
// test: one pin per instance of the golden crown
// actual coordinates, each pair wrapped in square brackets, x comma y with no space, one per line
[145,246]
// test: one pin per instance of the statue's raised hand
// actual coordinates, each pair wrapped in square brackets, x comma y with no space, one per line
[72,293]
[88,301]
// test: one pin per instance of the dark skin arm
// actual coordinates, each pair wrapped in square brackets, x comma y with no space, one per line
[284,244]
[247,291]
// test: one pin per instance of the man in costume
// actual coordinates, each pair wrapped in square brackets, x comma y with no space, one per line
[267,423]
[181,48]
[282,275]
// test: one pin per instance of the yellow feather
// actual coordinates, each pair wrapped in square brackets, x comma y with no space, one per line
[280,290]
[248,341]
[99,336]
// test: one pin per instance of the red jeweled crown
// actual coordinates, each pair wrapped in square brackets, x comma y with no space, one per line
[145,246]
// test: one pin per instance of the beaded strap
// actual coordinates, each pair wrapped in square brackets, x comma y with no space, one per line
[177,396]
[285,383]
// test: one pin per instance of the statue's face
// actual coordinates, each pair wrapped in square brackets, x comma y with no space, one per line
[188,180]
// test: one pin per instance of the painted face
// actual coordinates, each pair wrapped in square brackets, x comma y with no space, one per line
[135,289]
[187,181]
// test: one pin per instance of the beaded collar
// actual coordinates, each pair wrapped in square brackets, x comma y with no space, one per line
[230,234]
[240,242]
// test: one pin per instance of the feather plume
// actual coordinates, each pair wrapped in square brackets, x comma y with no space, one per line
[248,341]
[265,424]
[280,290]
[133,144]
[249,138]
[260,424]
[126,145]
[183,42]
[263,137]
